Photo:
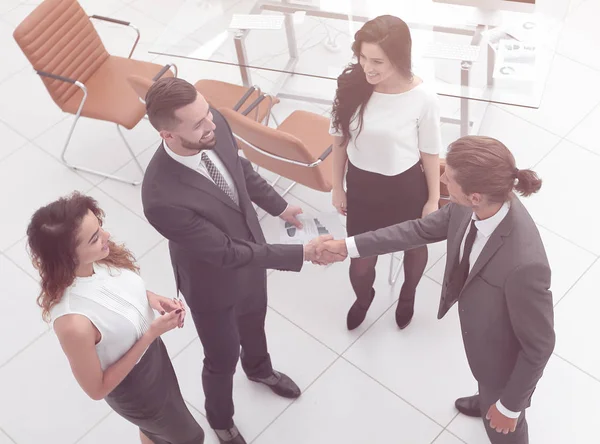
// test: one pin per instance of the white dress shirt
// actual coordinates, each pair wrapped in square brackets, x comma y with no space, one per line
[485,228]
[195,163]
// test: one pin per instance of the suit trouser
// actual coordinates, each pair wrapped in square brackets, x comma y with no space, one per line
[487,397]
[222,333]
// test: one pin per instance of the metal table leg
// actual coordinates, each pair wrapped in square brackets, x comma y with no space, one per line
[290,33]
[465,122]
[240,50]
[465,72]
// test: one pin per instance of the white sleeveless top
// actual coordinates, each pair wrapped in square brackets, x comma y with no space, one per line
[115,301]
[397,128]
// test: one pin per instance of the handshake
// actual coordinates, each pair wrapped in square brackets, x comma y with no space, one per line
[324,250]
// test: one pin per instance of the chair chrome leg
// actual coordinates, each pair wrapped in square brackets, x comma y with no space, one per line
[277,179]
[100,173]
[133,156]
[393,276]
[288,189]
[274,119]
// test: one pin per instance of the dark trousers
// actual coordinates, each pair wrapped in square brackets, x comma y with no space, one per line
[222,333]
[487,397]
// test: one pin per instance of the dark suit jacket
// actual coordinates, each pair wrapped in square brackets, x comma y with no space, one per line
[505,306]
[218,249]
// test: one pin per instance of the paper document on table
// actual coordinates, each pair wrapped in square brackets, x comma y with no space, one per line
[312,226]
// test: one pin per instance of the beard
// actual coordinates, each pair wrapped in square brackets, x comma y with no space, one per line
[199,145]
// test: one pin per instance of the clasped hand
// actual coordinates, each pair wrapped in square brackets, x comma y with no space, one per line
[324,250]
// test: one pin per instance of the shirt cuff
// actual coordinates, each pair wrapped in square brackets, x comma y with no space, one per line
[286,207]
[351,247]
[506,412]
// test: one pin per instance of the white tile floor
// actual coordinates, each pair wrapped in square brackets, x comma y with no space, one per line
[373,385]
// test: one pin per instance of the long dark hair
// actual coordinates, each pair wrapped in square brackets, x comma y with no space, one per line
[485,165]
[52,240]
[353,91]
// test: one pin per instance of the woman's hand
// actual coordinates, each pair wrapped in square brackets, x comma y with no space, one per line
[166,305]
[338,199]
[430,207]
[165,322]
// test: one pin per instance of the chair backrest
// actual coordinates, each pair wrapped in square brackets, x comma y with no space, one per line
[284,145]
[140,85]
[221,94]
[59,38]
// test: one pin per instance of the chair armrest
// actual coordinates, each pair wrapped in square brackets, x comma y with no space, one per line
[112,20]
[124,23]
[284,159]
[56,77]
[247,94]
[162,72]
[67,80]
[326,153]
[253,105]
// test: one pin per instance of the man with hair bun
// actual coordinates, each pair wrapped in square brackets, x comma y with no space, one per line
[496,269]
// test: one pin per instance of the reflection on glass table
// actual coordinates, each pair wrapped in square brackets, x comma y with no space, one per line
[301,58]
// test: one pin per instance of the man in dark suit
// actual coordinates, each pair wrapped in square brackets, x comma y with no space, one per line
[198,193]
[496,269]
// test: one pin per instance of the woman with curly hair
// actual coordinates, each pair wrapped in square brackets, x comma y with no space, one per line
[103,317]
[386,126]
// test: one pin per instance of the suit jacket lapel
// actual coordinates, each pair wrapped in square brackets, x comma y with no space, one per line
[197,180]
[454,245]
[493,244]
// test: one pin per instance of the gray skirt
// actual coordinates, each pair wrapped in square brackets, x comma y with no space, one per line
[150,398]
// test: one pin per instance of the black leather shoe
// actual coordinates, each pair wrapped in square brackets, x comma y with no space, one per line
[281,385]
[230,436]
[358,312]
[469,406]
[405,309]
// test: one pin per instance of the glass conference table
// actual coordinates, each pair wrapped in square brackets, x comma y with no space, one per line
[303,58]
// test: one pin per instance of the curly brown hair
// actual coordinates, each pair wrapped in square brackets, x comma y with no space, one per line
[52,240]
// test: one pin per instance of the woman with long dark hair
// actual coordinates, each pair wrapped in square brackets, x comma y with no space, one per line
[103,317]
[386,126]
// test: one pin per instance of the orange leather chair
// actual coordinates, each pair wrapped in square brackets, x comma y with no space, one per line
[299,149]
[444,200]
[220,95]
[82,78]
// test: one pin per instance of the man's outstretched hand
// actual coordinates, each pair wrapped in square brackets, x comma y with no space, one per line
[323,250]
[331,251]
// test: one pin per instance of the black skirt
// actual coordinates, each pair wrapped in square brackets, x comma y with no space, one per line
[377,201]
[150,398]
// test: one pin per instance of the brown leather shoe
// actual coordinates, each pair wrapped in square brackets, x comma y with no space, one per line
[281,385]
[230,436]
[469,406]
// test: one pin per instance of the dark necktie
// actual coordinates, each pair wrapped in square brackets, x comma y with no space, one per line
[461,271]
[218,178]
